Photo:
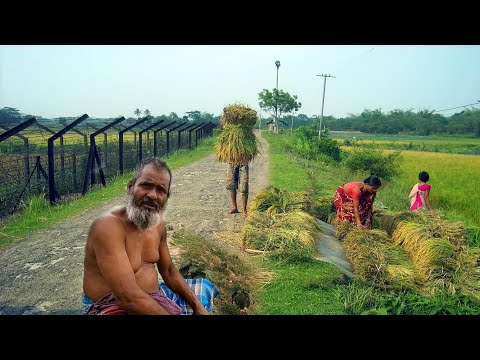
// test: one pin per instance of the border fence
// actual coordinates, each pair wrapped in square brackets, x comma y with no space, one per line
[65,158]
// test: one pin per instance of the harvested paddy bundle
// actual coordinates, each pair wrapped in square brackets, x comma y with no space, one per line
[273,200]
[332,219]
[238,114]
[343,229]
[377,260]
[324,208]
[433,224]
[434,258]
[454,232]
[390,220]
[236,144]
[467,274]
[290,230]
[403,275]
[437,227]
[376,221]
[379,211]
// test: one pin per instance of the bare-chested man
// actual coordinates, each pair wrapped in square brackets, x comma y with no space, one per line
[123,247]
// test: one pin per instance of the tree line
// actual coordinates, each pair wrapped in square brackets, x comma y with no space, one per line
[409,122]
[11,117]
[423,122]
[398,121]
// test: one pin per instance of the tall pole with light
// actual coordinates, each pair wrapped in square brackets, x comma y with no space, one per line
[277,63]
[323,101]
[260,119]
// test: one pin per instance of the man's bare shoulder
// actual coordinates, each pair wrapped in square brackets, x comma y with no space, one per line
[111,221]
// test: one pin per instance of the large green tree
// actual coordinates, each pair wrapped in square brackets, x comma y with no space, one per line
[194,115]
[10,116]
[278,103]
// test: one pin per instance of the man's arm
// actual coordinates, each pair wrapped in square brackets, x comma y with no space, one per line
[172,276]
[108,237]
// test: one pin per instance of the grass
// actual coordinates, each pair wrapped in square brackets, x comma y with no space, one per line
[300,289]
[283,167]
[433,139]
[306,287]
[40,215]
[452,177]
[293,173]
[443,144]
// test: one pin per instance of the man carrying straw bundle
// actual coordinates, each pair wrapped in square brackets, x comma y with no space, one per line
[237,146]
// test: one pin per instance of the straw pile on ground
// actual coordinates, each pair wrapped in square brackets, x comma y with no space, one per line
[236,143]
[325,209]
[467,274]
[295,230]
[439,258]
[377,260]
[438,250]
[434,258]
[276,222]
[273,200]
[389,220]
[438,227]
[343,229]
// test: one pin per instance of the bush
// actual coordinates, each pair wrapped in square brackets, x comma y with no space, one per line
[308,146]
[329,147]
[374,162]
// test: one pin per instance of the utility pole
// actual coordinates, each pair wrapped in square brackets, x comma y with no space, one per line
[277,64]
[323,101]
[260,118]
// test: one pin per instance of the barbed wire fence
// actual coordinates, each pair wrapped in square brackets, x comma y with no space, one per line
[64,158]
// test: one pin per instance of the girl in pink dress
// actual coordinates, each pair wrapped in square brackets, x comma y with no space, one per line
[419,196]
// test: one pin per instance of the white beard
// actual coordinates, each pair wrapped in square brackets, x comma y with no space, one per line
[143,218]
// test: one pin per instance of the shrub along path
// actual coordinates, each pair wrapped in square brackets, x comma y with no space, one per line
[42,274]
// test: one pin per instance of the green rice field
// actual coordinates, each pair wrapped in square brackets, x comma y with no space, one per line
[453,178]
[443,144]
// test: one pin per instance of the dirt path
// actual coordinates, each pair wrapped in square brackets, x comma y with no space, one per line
[43,274]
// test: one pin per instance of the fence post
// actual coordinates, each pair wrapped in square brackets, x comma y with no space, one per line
[74,160]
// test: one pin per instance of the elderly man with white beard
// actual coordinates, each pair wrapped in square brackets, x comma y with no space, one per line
[123,247]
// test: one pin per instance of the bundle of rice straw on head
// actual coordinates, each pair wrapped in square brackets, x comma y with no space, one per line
[236,143]
[238,114]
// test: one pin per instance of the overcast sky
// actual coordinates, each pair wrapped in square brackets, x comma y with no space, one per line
[111,80]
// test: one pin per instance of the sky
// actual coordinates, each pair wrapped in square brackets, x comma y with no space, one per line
[106,81]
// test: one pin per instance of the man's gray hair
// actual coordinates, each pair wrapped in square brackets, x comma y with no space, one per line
[158,164]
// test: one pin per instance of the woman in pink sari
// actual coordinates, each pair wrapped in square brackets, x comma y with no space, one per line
[419,196]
